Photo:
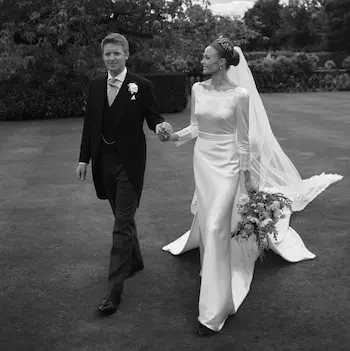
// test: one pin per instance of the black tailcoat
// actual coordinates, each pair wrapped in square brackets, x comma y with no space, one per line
[130,140]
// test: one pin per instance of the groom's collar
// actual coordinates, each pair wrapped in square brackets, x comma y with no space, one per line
[121,76]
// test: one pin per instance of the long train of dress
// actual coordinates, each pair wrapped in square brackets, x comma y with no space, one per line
[243,254]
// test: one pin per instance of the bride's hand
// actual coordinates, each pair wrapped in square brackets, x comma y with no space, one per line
[170,137]
[250,185]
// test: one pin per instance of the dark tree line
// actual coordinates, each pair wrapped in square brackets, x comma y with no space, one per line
[166,35]
[311,25]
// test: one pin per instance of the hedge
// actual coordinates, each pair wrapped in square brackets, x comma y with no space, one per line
[295,73]
[43,89]
[337,57]
[171,90]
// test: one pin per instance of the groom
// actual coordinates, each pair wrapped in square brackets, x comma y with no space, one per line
[114,140]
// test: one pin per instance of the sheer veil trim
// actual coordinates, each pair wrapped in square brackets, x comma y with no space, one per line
[271,168]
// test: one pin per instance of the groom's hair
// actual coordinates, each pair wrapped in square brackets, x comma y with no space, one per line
[115,38]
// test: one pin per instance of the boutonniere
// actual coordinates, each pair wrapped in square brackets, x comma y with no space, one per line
[133,89]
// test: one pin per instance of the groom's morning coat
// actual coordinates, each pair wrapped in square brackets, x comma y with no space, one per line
[128,128]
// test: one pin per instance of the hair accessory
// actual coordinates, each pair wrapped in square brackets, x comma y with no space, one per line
[226,45]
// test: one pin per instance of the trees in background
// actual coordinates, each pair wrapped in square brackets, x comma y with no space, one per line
[311,25]
[163,35]
[49,49]
[265,18]
[338,24]
[303,25]
[167,35]
[180,43]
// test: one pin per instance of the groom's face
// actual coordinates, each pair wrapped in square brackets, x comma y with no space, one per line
[114,58]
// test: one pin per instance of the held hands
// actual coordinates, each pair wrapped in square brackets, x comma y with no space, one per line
[164,131]
[171,137]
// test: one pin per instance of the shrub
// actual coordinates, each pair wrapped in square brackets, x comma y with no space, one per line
[41,85]
[283,73]
[44,89]
[337,57]
[139,63]
[257,55]
[346,63]
[330,64]
[343,82]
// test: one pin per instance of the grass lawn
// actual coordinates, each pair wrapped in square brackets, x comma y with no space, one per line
[55,237]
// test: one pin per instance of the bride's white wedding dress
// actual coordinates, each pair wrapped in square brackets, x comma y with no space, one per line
[221,125]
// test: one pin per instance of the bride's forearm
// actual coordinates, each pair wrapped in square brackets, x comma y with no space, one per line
[174,137]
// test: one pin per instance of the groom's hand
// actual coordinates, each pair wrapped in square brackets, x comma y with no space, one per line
[163,137]
[163,130]
[81,171]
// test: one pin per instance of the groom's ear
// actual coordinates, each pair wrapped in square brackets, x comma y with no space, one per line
[127,54]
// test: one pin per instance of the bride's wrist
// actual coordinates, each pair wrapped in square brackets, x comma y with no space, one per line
[247,175]
[174,137]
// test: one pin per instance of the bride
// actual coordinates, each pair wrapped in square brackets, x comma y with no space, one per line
[235,151]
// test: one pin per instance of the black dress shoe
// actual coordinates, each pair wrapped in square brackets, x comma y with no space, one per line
[109,304]
[205,331]
[135,268]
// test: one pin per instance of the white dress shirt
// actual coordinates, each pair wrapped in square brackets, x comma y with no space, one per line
[121,77]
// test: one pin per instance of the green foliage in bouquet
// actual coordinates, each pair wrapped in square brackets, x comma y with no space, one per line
[260,211]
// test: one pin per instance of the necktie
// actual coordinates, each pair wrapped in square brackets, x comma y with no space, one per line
[112,91]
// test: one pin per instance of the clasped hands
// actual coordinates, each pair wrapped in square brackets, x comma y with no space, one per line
[164,130]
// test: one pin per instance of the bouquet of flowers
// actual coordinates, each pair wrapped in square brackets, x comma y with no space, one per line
[260,211]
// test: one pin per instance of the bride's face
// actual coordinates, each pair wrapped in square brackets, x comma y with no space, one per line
[210,61]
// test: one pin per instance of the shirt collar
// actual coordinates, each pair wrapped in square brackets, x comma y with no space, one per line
[121,76]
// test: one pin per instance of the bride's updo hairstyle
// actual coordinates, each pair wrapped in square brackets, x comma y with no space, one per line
[226,50]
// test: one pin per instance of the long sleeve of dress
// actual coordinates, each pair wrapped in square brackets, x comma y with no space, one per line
[191,131]
[243,129]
